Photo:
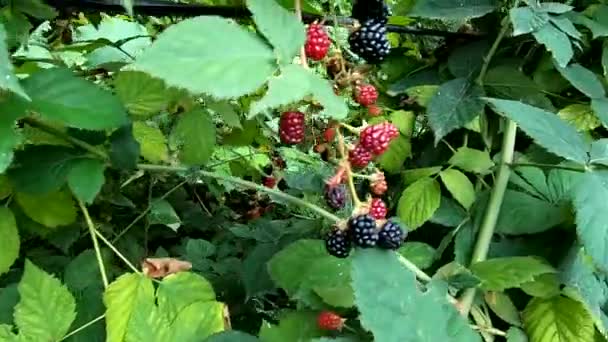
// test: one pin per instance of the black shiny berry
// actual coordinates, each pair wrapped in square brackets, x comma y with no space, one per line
[391,236]
[338,244]
[364,10]
[335,196]
[363,230]
[370,42]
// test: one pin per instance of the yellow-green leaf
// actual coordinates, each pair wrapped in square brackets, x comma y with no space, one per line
[9,240]
[51,210]
[195,134]
[142,94]
[557,319]
[459,186]
[472,160]
[418,202]
[580,116]
[152,142]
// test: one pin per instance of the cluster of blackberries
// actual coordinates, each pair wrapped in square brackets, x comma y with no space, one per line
[363,232]
[370,41]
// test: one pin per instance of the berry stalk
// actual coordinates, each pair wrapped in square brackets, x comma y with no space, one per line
[347,169]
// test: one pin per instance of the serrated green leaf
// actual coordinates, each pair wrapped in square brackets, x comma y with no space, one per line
[398,151]
[557,319]
[508,82]
[527,20]
[10,243]
[292,85]
[545,286]
[454,105]
[472,160]
[227,111]
[503,307]
[583,79]
[180,290]
[281,27]
[8,79]
[195,133]
[52,209]
[459,186]
[580,116]
[418,202]
[124,149]
[148,324]
[46,308]
[500,274]
[206,55]
[400,309]
[448,9]
[142,95]
[334,106]
[162,212]
[462,61]
[556,41]
[531,179]
[152,142]
[548,130]
[86,177]
[419,253]
[590,196]
[521,213]
[83,271]
[59,96]
[411,176]
[121,298]
[404,120]
[293,326]
[198,321]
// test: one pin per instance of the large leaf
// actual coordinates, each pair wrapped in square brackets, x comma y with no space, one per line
[195,133]
[583,79]
[142,94]
[52,209]
[418,202]
[180,290]
[86,178]
[472,160]
[580,116]
[209,55]
[450,9]
[454,105]
[9,243]
[400,308]
[527,20]
[199,320]
[395,156]
[557,42]
[521,213]
[508,82]
[459,186]
[546,128]
[500,274]
[557,319]
[281,27]
[46,308]
[590,201]
[121,298]
[8,80]
[148,324]
[60,96]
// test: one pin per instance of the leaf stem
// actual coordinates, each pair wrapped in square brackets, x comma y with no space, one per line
[81,328]
[347,168]
[420,274]
[246,184]
[488,58]
[91,226]
[117,252]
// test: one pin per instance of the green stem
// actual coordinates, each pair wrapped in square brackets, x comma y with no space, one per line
[420,274]
[91,226]
[480,252]
[246,184]
[550,166]
[117,252]
[486,61]
[81,328]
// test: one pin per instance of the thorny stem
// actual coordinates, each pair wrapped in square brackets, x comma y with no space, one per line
[81,328]
[91,226]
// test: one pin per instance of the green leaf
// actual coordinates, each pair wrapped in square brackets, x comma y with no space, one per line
[410,176]
[52,209]
[404,120]
[590,196]
[86,177]
[333,105]
[516,335]
[521,213]
[557,42]
[472,160]
[195,133]
[231,336]
[527,20]
[419,253]
[142,95]
[161,212]
[398,151]
[464,60]
[545,285]
[8,80]
[152,142]
[557,319]
[41,168]
[227,111]
[418,202]
[60,96]
[36,8]
[83,271]
[459,186]
[197,321]
[580,116]
[10,137]
[508,82]
[400,308]
[147,324]
[448,9]
[124,151]
[46,308]
[206,55]
[281,27]
[500,274]
[548,130]
[121,298]
[503,307]
[455,104]
[6,334]
[177,291]
[599,152]
[583,79]
[600,107]
[9,244]
[297,326]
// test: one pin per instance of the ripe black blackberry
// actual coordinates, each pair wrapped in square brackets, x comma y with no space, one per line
[391,236]
[369,41]
[335,195]
[363,230]
[337,243]
[364,10]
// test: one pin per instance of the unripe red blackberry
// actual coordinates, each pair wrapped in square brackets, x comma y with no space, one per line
[378,209]
[376,138]
[317,42]
[291,128]
[378,184]
[366,94]
[359,156]
[374,110]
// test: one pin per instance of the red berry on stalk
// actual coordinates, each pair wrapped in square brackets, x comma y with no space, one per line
[328,320]
[378,209]
[359,156]
[269,182]
[376,138]
[366,95]
[317,42]
[374,110]
[378,184]
[329,134]
[291,127]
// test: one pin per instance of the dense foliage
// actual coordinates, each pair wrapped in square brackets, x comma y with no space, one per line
[261,179]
